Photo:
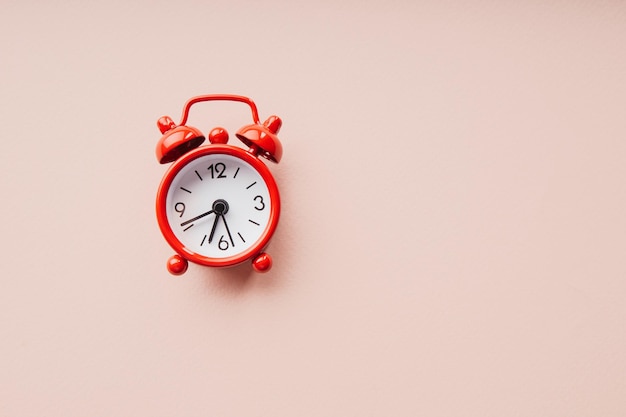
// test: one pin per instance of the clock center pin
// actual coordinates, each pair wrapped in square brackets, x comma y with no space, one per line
[220,206]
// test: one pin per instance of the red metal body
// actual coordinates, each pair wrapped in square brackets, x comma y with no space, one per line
[166,229]
[181,144]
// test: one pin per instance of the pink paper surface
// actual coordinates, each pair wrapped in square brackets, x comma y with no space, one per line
[453,234]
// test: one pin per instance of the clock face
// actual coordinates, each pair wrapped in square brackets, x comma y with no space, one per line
[219,208]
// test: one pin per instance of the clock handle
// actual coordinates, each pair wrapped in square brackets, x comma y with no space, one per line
[219,97]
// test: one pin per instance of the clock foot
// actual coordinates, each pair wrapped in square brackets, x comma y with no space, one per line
[177,265]
[262,263]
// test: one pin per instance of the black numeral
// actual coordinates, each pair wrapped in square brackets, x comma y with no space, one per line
[179,208]
[222,244]
[260,201]
[217,169]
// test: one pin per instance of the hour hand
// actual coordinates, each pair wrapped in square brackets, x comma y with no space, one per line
[186,222]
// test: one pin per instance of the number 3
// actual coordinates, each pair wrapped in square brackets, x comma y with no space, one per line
[260,201]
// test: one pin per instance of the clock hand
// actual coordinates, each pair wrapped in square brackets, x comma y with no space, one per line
[219,208]
[228,230]
[217,217]
[196,218]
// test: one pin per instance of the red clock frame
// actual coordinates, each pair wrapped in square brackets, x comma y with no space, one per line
[261,243]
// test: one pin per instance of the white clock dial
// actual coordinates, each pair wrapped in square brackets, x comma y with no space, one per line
[218,205]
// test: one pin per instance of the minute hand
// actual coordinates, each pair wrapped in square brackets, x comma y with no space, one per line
[196,218]
[217,217]
[228,231]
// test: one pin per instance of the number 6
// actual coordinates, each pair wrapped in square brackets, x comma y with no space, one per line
[219,244]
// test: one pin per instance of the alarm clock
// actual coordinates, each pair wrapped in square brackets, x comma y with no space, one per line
[218,205]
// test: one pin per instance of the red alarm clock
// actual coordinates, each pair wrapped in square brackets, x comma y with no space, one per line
[218,205]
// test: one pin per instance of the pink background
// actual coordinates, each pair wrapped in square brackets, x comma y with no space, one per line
[454,198]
